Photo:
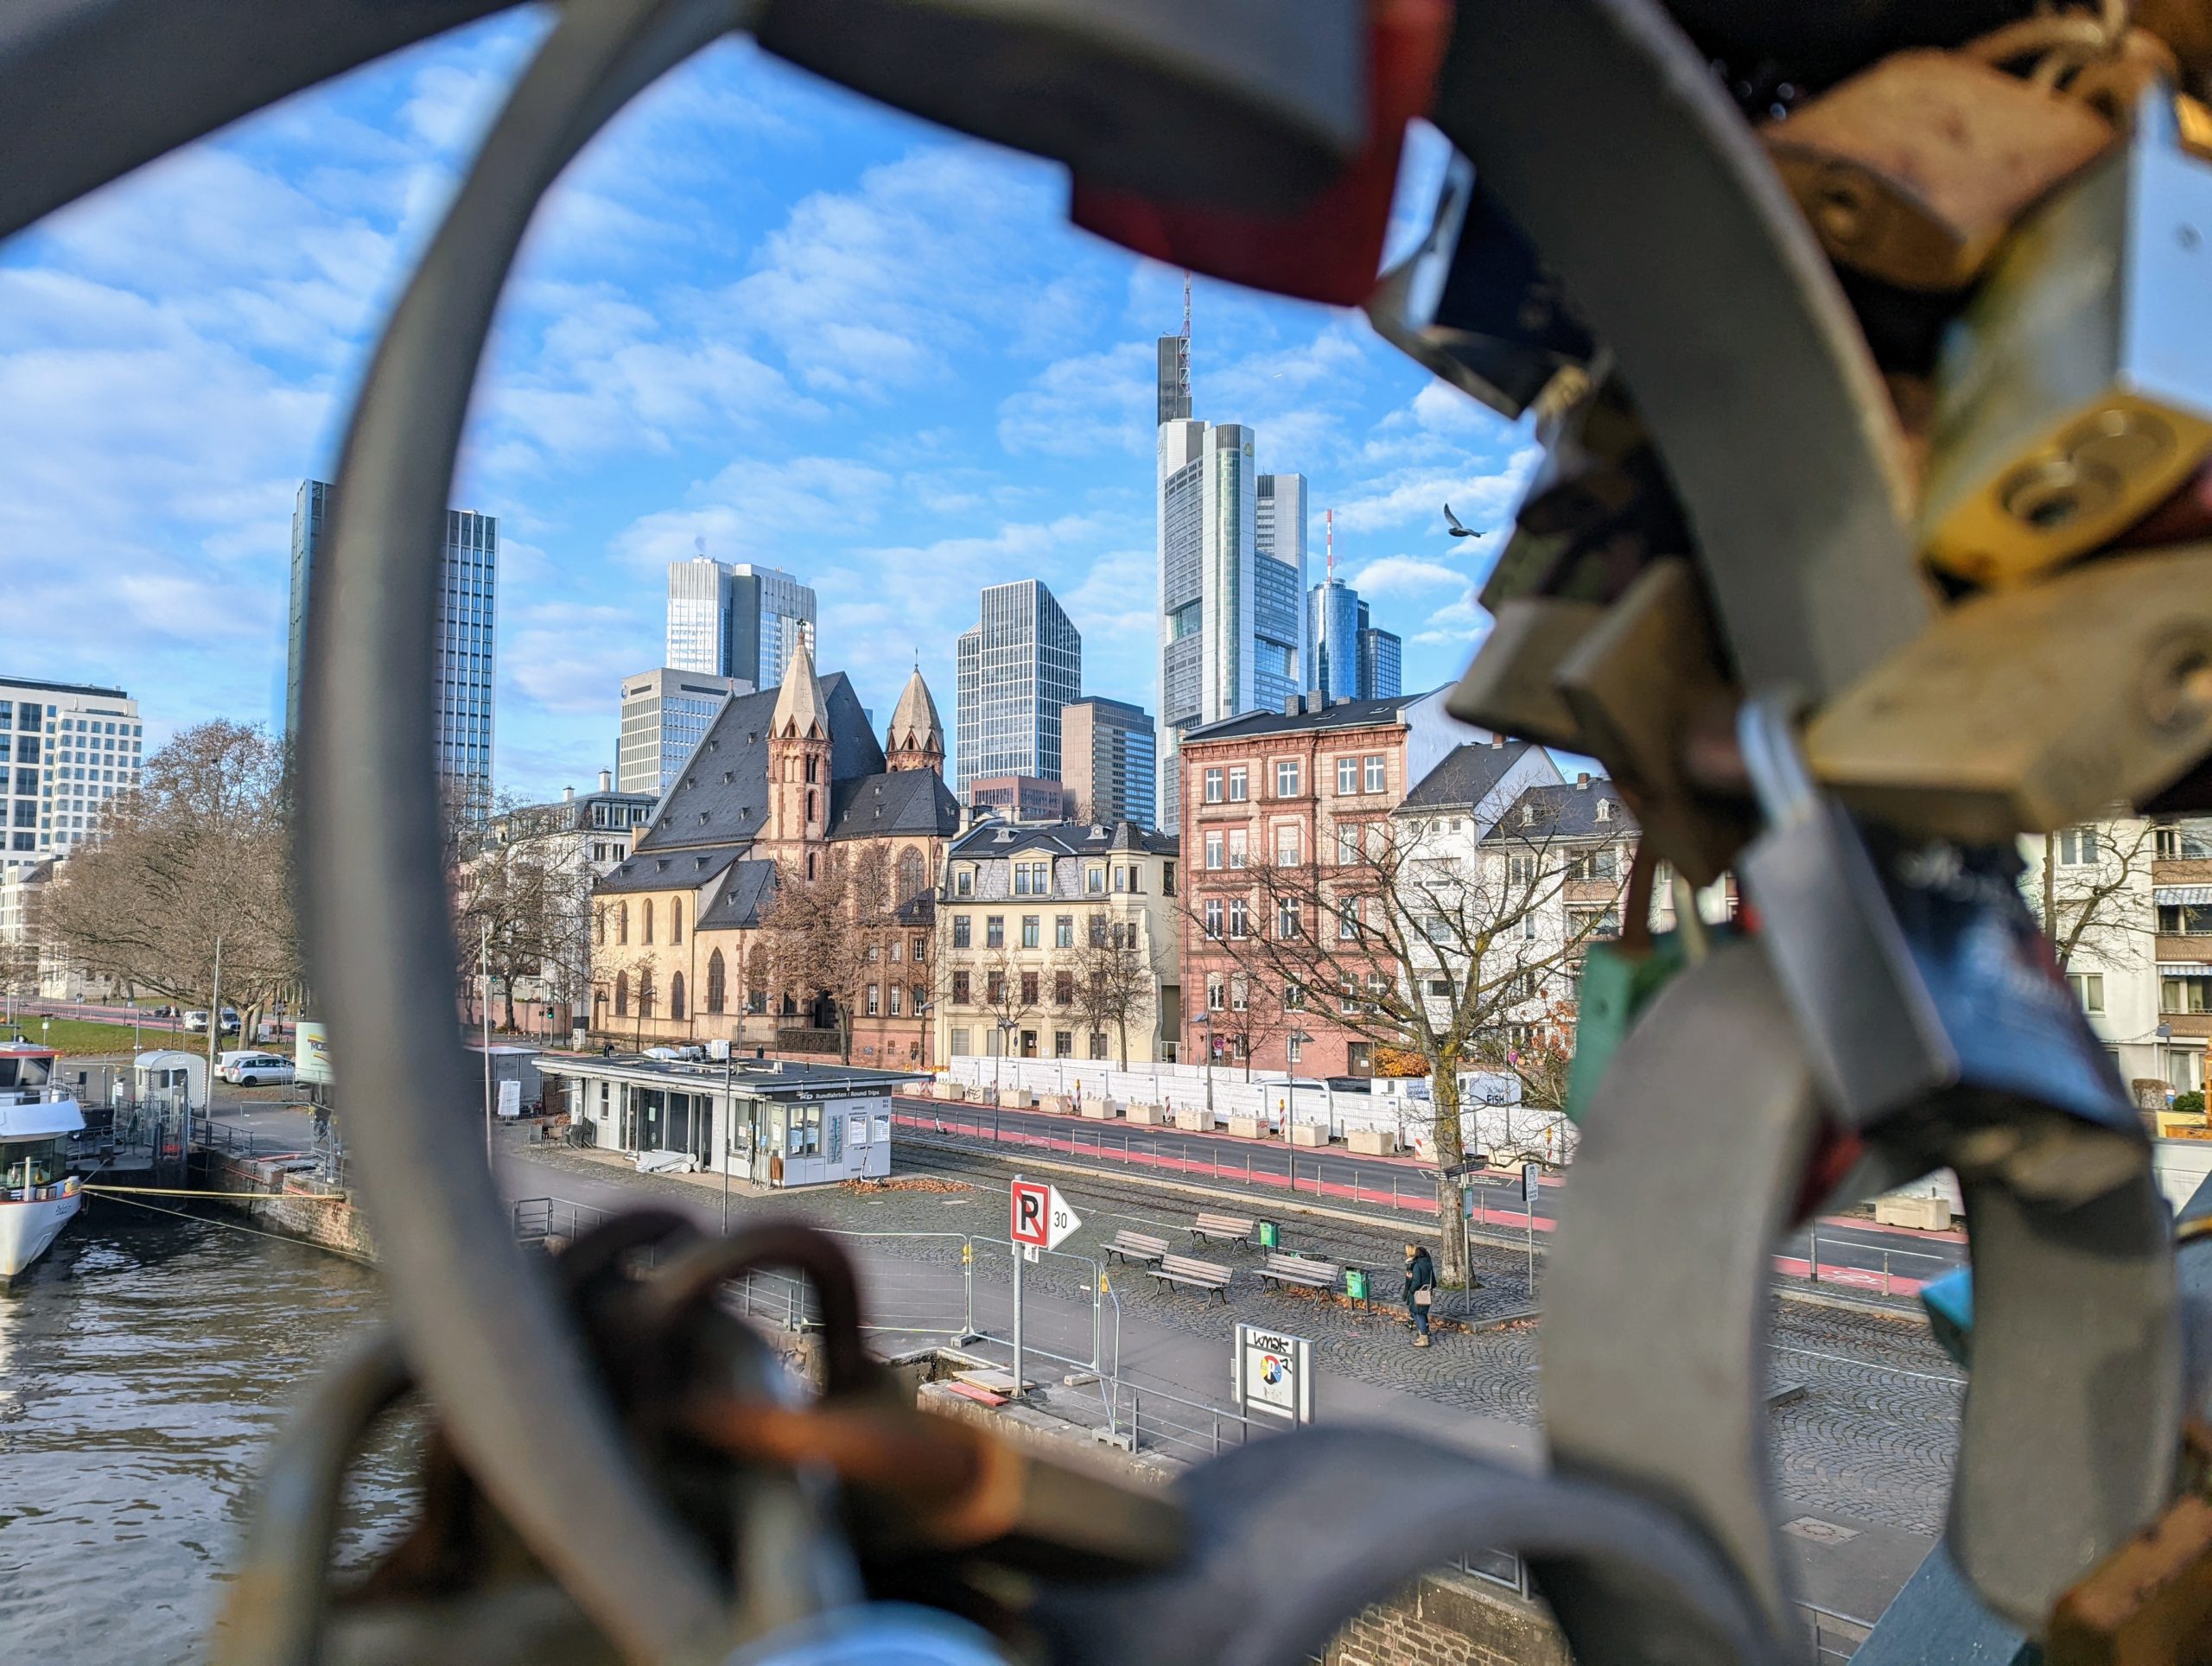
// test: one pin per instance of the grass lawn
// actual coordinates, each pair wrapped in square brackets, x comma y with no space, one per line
[82,1037]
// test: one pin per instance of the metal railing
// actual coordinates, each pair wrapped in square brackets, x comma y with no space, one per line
[1835,1636]
[1154,1420]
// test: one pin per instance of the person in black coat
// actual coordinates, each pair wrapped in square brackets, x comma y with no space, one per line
[1421,1290]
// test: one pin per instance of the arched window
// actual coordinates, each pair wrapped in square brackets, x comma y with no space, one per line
[599,926]
[715,989]
[622,924]
[910,874]
[649,920]
[621,994]
[809,807]
[676,919]
[675,996]
[645,992]
[810,864]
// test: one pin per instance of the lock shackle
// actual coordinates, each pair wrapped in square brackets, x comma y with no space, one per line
[1766,734]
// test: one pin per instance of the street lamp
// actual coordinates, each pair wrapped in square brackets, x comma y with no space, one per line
[1205,1024]
[1298,1040]
[998,1064]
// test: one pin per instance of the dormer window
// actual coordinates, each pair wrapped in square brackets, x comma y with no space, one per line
[1605,810]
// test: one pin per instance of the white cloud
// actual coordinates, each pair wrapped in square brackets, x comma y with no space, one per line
[570,658]
[1083,406]
[1404,575]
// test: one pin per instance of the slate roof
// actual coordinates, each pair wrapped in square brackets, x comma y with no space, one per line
[1467,776]
[1336,715]
[1567,811]
[749,889]
[989,839]
[914,722]
[670,870]
[800,709]
[723,793]
[898,801]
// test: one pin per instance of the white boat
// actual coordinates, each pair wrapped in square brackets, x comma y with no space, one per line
[38,1122]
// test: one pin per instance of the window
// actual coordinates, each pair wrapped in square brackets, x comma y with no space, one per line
[645,992]
[1098,1044]
[960,1041]
[2088,989]
[1293,997]
[2182,842]
[1347,996]
[1029,988]
[716,984]
[1213,850]
[1098,930]
[1294,1049]
[1287,918]
[1064,931]
[1240,922]
[1238,792]
[960,988]
[964,882]
[1031,936]
[1440,989]
[1239,850]
[1213,786]
[995,989]
[1287,845]
[897,996]
[920,998]
[1348,919]
[1094,881]
[676,919]
[1213,917]
[1592,922]
[2185,994]
[994,931]
[1347,777]
[1033,879]
[1121,880]
[961,932]
[1378,772]
[896,950]
[918,949]
[2184,920]
[1240,993]
[622,924]
[1347,844]
[2077,848]
[1063,1044]
[1063,989]
[675,996]
[1595,865]
[874,1001]
[621,994]
[810,797]
[599,926]
[1217,996]
[1286,777]
[1167,879]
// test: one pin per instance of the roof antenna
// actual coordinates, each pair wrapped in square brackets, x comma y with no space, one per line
[1329,517]
[1186,337]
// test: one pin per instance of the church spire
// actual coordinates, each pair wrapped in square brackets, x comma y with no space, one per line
[916,738]
[801,710]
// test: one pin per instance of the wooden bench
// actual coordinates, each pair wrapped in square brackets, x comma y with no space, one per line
[1288,1270]
[1135,1246]
[1206,1276]
[1233,1229]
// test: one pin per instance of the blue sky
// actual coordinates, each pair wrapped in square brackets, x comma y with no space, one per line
[758,311]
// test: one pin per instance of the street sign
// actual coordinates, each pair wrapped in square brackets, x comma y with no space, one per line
[1273,1373]
[1531,1182]
[1474,1165]
[1041,1216]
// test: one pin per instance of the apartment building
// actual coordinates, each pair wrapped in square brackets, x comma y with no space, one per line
[1029,915]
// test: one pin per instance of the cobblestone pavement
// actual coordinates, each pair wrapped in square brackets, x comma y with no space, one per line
[1873,1437]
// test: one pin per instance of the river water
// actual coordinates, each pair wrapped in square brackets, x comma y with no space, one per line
[145,1363]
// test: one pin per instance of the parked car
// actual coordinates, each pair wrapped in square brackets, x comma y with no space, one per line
[195,1022]
[253,1070]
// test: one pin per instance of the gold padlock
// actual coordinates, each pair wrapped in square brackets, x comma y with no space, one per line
[2074,392]
[1509,687]
[1913,170]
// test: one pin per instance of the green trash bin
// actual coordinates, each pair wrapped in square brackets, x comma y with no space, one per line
[1270,1236]
[1356,1284]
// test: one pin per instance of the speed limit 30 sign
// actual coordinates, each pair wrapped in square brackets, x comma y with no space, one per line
[1041,1216]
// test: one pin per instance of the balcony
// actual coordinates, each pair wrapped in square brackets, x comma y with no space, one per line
[2196,947]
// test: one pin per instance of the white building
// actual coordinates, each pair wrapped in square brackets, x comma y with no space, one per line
[65,751]
[736,620]
[1231,548]
[664,714]
[1019,665]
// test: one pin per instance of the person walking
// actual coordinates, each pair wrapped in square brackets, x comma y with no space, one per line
[1421,1290]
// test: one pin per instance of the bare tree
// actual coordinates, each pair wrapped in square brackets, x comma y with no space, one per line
[1441,949]
[826,936]
[201,851]
[1115,982]
[2085,900]
[520,907]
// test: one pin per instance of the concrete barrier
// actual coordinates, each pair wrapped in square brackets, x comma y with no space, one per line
[1928,1214]
[1248,1128]
[1309,1134]
[1059,1103]
[1197,1120]
[1099,1110]
[1013,1098]
[951,1090]
[1145,1115]
[1371,1142]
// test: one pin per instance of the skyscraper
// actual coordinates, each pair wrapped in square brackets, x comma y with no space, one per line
[1333,613]
[664,714]
[65,751]
[1232,546]
[1380,653]
[1108,753]
[736,620]
[461,660]
[1021,663]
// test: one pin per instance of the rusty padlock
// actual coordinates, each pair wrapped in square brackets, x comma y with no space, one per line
[1913,170]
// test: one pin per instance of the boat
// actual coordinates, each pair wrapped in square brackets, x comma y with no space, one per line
[39,1122]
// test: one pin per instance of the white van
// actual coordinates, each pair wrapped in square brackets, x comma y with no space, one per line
[195,1021]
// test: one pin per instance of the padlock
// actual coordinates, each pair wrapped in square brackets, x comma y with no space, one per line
[1620,977]
[1925,991]
[1915,169]
[1475,305]
[2074,393]
[1511,686]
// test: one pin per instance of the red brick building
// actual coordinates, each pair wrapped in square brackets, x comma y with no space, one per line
[1284,788]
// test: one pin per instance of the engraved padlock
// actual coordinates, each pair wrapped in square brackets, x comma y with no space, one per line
[2074,393]
[1913,170]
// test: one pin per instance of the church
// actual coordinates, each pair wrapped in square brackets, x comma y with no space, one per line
[698,934]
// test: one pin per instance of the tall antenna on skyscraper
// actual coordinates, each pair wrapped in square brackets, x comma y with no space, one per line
[1187,339]
[1329,517]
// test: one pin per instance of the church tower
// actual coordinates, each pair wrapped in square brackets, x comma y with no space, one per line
[916,740]
[799,766]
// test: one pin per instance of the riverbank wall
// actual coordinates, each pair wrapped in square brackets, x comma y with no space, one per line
[262,1192]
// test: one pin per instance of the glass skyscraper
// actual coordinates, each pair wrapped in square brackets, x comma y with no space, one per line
[1021,663]
[1380,653]
[65,751]
[1333,611]
[736,620]
[463,658]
